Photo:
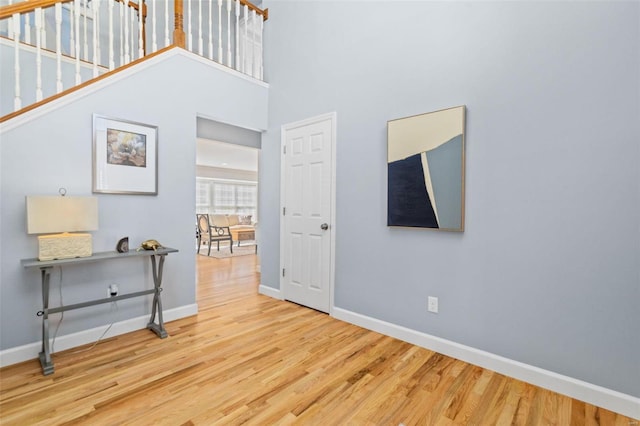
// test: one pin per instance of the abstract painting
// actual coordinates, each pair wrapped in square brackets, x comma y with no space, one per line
[425,160]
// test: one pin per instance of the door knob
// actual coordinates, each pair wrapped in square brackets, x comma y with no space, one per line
[324,226]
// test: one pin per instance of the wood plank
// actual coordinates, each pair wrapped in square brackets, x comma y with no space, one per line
[248,358]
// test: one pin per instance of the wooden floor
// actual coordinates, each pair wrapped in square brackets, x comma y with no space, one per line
[250,359]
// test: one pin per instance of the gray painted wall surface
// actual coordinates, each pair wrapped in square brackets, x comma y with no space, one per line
[547,271]
[55,151]
[214,130]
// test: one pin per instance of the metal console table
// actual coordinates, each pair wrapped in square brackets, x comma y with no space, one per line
[46,267]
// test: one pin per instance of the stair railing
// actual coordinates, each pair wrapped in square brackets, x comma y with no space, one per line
[70,42]
[228,32]
[69,34]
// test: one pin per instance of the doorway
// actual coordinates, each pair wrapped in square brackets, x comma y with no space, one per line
[227,192]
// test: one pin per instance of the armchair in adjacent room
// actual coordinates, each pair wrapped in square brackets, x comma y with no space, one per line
[207,233]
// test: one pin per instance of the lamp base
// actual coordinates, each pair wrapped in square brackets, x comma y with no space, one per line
[64,246]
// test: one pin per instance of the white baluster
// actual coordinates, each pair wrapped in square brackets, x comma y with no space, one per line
[200,27]
[10,32]
[14,29]
[154,40]
[58,10]
[27,28]
[252,70]
[112,61]
[189,36]
[140,26]
[132,26]
[228,33]
[210,56]
[10,23]
[96,30]
[94,8]
[121,38]
[258,46]
[38,19]
[220,59]
[251,23]
[245,51]
[125,38]
[43,39]
[257,28]
[84,33]
[166,24]
[237,34]
[72,31]
[76,7]
[253,40]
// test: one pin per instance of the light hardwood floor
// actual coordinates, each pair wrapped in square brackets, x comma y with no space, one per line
[250,359]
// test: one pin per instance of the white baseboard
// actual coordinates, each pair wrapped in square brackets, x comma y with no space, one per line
[270,291]
[593,394]
[31,350]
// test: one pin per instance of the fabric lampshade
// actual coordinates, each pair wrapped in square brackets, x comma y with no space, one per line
[51,214]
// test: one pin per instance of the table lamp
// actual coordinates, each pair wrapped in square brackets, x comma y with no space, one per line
[55,214]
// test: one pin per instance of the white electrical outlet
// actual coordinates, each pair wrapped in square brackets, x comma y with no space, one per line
[432,304]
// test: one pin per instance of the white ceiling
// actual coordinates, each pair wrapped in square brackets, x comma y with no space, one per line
[226,155]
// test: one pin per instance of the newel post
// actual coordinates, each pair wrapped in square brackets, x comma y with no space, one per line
[178,32]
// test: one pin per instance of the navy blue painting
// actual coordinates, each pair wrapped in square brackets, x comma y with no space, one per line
[408,199]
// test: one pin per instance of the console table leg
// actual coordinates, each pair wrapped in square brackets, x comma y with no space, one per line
[45,355]
[157,300]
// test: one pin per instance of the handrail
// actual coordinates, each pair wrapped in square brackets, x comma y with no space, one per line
[31,5]
[27,6]
[264,13]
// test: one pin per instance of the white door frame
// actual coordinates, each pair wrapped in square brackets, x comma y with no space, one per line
[332,116]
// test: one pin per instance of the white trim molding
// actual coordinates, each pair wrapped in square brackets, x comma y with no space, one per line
[270,291]
[31,350]
[593,394]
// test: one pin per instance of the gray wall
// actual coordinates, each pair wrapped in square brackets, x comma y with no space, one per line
[54,151]
[547,271]
[214,130]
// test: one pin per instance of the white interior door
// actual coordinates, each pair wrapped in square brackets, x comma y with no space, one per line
[308,211]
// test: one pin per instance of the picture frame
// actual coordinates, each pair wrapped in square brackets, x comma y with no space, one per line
[125,157]
[426,170]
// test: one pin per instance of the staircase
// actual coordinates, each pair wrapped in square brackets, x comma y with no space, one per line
[49,48]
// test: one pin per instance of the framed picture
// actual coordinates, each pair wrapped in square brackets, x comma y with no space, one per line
[125,157]
[425,163]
